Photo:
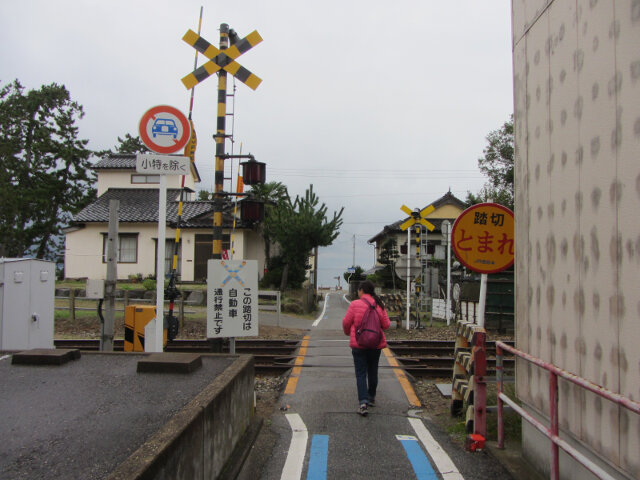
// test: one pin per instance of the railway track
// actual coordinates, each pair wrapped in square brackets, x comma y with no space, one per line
[435,358]
[271,356]
[420,358]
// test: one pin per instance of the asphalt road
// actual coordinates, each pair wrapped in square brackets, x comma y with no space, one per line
[318,433]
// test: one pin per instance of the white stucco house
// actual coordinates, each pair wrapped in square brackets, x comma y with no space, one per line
[138,226]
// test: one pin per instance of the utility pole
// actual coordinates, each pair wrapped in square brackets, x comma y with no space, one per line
[106,337]
[353,264]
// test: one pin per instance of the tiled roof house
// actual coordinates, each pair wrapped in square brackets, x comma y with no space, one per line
[138,195]
[447,207]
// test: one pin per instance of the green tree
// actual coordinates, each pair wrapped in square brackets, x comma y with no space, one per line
[274,195]
[299,227]
[204,195]
[357,276]
[45,174]
[128,145]
[497,164]
[386,276]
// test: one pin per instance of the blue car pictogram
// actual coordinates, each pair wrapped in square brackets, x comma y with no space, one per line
[164,126]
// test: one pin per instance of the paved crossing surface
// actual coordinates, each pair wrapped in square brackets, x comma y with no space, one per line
[320,435]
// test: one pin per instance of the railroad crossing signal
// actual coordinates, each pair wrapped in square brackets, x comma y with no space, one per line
[220,59]
[416,216]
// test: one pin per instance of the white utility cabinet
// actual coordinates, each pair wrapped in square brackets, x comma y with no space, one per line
[27,289]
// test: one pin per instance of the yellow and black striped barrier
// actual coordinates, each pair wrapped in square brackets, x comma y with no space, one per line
[469,372]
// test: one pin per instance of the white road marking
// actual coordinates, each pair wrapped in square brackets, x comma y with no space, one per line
[445,466]
[4,357]
[324,309]
[295,457]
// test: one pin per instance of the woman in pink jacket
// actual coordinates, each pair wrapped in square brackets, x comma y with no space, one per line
[365,360]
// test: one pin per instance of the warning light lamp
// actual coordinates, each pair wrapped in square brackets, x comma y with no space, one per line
[251,210]
[253,172]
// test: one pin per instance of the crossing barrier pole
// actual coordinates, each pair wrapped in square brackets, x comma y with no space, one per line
[499,380]
[479,362]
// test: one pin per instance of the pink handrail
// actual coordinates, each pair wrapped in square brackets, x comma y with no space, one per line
[552,431]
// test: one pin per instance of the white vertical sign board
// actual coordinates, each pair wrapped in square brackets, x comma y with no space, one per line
[232,298]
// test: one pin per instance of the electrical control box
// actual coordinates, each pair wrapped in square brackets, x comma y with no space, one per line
[27,290]
[95,289]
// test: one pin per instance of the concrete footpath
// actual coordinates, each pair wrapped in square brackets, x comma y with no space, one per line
[318,433]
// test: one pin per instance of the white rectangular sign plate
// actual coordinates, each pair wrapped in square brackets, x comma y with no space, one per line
[232,298]
[156,164]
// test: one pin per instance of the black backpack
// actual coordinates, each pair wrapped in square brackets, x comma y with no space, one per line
[369,333]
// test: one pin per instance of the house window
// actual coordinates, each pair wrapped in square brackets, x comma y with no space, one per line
[139,179]
[169,250]
[127,248]
[168,256]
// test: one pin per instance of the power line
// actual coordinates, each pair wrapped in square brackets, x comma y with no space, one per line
[375,170]
[352,195]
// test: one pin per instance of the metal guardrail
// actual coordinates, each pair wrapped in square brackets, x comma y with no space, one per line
[180,303]
[552,432]
[269,307]
[131,301]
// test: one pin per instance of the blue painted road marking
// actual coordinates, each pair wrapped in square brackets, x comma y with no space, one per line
[418,459]
[318,458]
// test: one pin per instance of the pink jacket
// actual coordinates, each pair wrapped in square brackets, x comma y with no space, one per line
[353,318]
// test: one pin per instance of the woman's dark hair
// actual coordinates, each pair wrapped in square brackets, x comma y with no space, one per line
[367,287]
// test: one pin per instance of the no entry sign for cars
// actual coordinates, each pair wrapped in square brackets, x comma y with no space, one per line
[483,238]
[164,129]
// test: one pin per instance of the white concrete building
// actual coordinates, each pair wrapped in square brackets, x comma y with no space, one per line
[577,136]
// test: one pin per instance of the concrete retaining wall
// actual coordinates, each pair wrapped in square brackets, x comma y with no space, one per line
[200,438]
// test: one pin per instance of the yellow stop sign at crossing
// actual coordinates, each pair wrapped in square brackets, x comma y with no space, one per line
[483,238]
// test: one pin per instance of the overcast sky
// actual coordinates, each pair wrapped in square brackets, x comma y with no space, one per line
[377,104]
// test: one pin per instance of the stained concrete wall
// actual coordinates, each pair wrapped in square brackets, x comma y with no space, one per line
[577,133]
[199,440]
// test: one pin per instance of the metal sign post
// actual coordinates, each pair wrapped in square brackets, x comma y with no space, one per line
[446,236]
[163,129]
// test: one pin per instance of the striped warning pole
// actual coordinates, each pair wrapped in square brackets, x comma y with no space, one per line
[239,189]
[189,151]
[220,144]
[419,276]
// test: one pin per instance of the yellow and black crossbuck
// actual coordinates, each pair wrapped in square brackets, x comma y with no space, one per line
[222,59]
[417,217]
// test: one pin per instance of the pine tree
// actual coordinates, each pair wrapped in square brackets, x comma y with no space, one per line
[299,227]
[45,174]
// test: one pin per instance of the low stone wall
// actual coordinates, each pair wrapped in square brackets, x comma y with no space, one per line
[199,440]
